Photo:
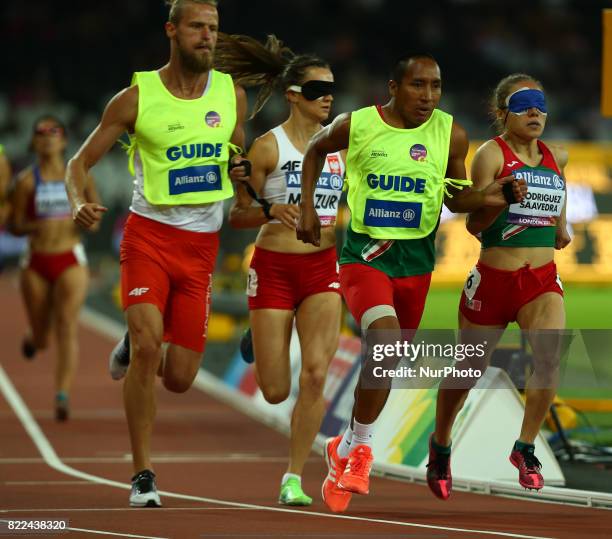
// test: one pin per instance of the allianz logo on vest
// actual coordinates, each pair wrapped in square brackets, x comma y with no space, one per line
[189,151]
[195,179]
[404,184]
[391,213]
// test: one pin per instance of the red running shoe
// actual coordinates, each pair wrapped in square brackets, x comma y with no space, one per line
[334,497]
[439,478]
[356,476]
[529,468]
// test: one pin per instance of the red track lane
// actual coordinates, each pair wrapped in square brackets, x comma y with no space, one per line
[225,456]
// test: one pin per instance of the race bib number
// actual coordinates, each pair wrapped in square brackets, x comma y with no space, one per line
[472,283]
[51,200]
[252,283]
[544,200]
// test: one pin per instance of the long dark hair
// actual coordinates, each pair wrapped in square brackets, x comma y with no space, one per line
[270,65]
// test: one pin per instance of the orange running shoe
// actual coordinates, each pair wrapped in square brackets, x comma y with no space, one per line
[356,476]
[334,497]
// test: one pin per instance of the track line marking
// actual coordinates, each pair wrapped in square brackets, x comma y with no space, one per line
[48,453]
[102,509]
[98,532]
[178,459]
[46,483]
[101,532]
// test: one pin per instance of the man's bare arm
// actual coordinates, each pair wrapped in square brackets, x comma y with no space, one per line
[465,199]
[238,138]
[470,200]
[118,117]
[334,138]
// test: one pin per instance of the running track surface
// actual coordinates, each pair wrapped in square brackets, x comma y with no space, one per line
[222,468]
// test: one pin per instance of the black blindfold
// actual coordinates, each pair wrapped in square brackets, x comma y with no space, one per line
[314,89]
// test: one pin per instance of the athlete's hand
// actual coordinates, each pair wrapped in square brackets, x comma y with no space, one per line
[309,226]
[239,169]
[494,193]
[562,238]
[288,214]
[88,215]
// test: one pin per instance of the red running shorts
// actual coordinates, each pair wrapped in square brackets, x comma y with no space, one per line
[172,269]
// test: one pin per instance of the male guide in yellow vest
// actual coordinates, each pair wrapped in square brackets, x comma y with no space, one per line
[183,144]
[396,177]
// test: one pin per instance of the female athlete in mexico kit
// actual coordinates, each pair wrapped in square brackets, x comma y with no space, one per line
[289,280]
[515,278]
[54,267]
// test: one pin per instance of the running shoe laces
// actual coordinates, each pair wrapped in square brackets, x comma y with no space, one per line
[532,464]
[360,466]
[440,464]
[144,481]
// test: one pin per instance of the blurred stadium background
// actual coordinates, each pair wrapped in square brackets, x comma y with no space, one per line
[69,58]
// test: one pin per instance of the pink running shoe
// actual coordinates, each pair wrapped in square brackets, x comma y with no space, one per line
[529,468]
[439,478]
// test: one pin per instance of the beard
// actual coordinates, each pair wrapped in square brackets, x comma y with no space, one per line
[192,61]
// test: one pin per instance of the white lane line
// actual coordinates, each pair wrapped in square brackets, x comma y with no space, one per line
[48,453]
[98,532]
[177,459]
[102,509]
[46,483]
[101,532]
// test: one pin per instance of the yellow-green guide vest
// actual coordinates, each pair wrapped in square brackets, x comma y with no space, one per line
[183,144]
[396,177]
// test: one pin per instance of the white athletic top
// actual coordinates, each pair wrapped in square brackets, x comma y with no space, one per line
[284,183]
[193,217]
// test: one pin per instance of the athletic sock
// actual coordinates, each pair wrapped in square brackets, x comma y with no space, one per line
[288,476]
[522,446]
[362,434]
[344,446]
[440,449]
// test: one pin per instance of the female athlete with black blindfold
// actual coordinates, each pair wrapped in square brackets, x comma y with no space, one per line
[288,280]
[515,278]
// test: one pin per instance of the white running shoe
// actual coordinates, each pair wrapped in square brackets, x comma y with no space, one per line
[144,491]
[119,360]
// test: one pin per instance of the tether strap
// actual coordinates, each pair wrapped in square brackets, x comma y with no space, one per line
[265,205]
[457,184]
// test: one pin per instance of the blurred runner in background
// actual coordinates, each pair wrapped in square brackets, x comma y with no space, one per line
[54,272]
